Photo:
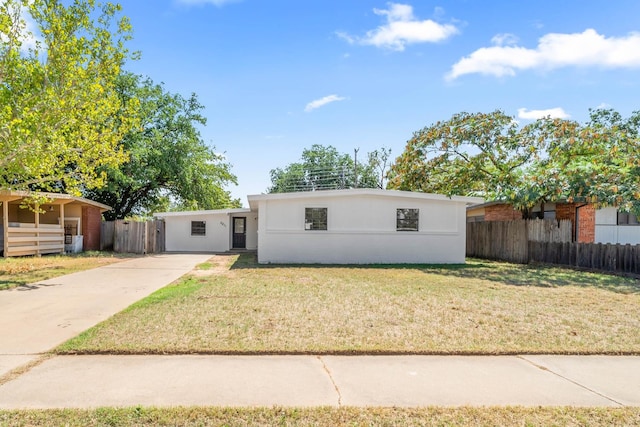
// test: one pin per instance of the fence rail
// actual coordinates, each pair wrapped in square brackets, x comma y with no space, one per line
[136,237]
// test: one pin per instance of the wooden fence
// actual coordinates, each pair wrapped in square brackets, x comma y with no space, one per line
[136,237]
[593,256]
[503,240]
[107,229]
[509,240]
[549,242]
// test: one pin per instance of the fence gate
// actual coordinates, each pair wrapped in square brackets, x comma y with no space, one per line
[136,237]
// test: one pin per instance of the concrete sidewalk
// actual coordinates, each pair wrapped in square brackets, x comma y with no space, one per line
[403,381]
[38,317]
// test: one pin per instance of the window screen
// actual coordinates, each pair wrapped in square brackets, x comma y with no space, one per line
[198,228]
[407,219]
[315,218]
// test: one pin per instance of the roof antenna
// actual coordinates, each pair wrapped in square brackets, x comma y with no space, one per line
[355,167]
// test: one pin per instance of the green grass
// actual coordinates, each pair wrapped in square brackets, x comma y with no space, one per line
[204,266]
[478,308]
[464,416]
[20,271]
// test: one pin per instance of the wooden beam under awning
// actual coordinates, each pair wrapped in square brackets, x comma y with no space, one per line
[5,228]
[9,198]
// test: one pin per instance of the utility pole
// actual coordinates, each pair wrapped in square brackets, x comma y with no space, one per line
[355,167]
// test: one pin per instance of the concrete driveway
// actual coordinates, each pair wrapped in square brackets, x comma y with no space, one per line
[38,317]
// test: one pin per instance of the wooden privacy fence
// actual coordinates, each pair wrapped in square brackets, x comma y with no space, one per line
[549,242]
[503,240]
[509,240]
[136,237]
[593,256]
[107,228]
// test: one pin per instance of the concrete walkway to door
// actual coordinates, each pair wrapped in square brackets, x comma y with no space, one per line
[38,317]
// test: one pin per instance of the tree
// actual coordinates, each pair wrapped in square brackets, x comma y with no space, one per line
[490,155]
[470,154]
[324,168]
[57,94]
[169,166]
[609,165]
[378,164]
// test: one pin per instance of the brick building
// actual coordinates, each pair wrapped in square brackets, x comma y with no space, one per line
[581,215]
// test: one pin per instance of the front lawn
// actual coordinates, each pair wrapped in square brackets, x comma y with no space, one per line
[465,416]
[238,307]
[20,271]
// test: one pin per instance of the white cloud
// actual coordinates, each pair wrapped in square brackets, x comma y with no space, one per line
[554,113]
[505,39]
[217,3]
[553,51]
[402,28]
[323,101]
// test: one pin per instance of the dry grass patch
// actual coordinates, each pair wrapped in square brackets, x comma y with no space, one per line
[465,416]
[20,271]
[479,308]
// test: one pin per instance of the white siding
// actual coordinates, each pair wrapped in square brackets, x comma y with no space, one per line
[607,230]
[252,231]
[361,229]
[179,238]
[218,228]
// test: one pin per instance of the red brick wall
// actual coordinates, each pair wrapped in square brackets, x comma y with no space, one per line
[587,225]
[501,213]
[91,222]
[566,211]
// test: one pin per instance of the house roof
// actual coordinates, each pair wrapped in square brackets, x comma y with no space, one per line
[202,212]
[57,198]
[502,202]
[487,204]
[254,199]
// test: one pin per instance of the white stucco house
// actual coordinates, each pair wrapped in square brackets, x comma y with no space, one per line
[357,226]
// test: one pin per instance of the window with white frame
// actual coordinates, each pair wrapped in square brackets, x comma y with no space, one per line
[315,218]
[198,228]
[407,219]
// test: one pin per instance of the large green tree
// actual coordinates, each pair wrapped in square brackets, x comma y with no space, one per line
[325,168]
[58,101]
[169,166]
[492,156]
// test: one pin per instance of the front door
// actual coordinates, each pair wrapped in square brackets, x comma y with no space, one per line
[239,233]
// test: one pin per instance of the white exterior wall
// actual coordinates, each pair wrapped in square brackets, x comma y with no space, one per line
[607,230]
[361,229]
[218,232]
[252,230]
[179,238]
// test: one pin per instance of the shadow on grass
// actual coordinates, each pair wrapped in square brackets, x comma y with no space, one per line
[501,272]
[249,260]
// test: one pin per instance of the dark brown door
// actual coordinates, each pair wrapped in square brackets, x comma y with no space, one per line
[239,233]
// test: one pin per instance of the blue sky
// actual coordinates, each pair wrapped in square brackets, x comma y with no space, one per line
[277,76]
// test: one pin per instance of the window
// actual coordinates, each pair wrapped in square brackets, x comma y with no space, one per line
[315,218]
[407,219]
[625,218]
[198,228]
[475,218]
